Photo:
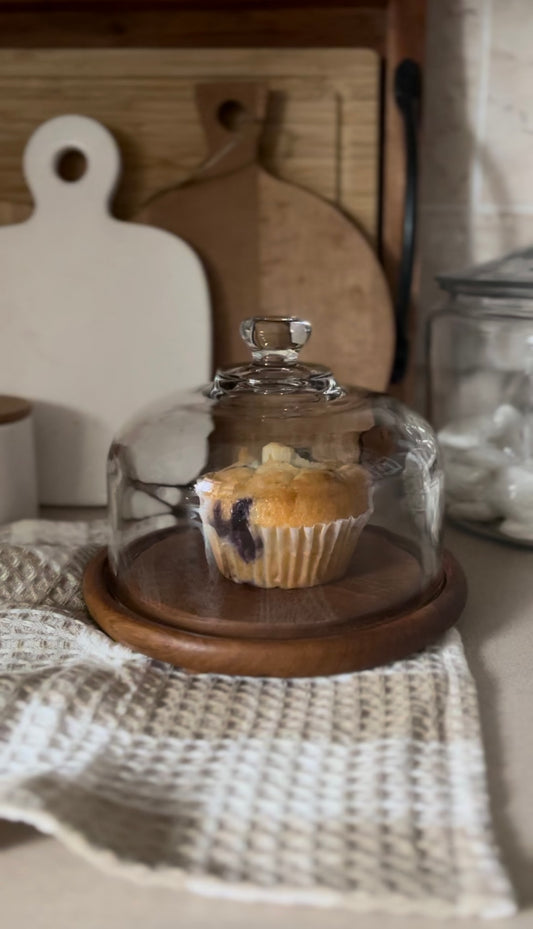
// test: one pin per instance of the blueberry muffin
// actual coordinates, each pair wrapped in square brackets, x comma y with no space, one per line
[284,522]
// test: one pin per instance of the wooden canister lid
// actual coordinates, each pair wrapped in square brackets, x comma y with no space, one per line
[13,408]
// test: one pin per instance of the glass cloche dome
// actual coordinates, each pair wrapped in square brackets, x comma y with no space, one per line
[276,522]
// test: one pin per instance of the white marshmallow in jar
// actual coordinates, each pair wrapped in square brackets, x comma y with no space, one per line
[480,354]
[488,466]
[18,478]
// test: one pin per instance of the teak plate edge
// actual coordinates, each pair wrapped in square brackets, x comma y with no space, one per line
[350,649]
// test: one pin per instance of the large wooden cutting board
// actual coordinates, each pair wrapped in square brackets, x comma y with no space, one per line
[99,317]
[270,247]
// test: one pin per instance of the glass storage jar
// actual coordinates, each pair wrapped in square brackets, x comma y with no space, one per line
[276,522]
[480,347]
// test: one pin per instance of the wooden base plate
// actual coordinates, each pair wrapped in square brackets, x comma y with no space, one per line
[165,576]
[373,616]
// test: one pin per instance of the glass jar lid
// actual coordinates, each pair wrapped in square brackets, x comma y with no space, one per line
[509,276]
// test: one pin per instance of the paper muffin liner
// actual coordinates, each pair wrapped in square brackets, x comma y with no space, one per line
[287,556]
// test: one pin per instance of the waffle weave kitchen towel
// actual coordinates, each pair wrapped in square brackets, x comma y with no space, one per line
[365,791]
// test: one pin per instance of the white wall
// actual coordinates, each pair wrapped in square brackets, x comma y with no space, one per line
[477,152]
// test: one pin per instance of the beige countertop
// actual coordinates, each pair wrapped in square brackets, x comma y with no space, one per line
[43,886]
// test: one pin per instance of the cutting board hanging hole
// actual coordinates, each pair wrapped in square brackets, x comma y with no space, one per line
[233,115]
[71,165]
[73,161]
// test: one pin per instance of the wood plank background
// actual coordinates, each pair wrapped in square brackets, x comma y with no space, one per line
[322,129]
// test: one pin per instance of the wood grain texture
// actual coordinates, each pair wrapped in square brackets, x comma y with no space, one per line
[169,580]
[149,25]
[321,127]
[315,264]
[271,248]
[351,648]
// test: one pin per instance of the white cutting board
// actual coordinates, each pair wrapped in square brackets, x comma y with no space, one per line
[98,317]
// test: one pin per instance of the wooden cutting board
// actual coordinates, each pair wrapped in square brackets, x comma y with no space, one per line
[270,247]
[322,128]
[99,317]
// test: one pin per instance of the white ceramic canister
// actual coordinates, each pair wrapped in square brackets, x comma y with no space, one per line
[18,479]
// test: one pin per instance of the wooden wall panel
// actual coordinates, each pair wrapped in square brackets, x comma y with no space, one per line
[322,130]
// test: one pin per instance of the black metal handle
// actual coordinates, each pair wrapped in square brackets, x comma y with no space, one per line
[407,93]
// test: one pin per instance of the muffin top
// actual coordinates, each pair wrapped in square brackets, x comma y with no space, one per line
[288,490]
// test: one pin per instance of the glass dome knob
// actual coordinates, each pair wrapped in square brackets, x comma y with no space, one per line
[275,340]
